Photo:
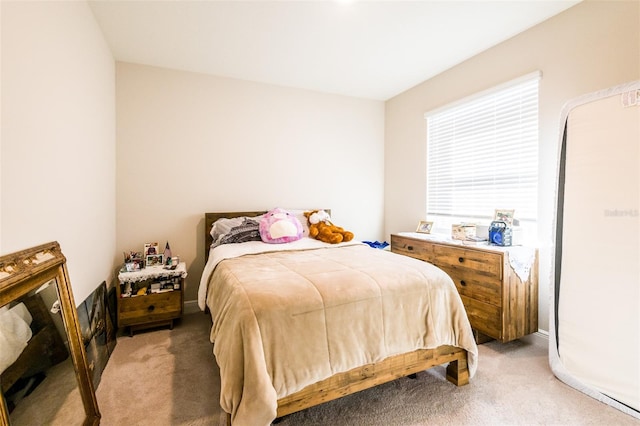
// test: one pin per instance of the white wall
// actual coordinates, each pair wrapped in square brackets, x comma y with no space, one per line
[185,133]
[190,143]
[57,169]
[589,47]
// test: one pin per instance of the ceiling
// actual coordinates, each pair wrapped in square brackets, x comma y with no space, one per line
[367,49]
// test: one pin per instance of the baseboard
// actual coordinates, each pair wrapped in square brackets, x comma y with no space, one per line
[540,337]
[191,307]
[542,334]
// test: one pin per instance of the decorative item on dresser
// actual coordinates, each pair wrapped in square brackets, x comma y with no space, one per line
[501,300]
[424,227]
[150,297]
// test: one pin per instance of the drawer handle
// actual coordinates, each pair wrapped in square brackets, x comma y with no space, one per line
[151,308]
[461,259]
[409,248]
[463,283]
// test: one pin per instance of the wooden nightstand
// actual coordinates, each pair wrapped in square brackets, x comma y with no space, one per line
[501,302]
[160,305]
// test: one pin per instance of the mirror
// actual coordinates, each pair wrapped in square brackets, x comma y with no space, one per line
[44,375]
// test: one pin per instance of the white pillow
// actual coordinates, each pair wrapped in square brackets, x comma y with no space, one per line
[299,214]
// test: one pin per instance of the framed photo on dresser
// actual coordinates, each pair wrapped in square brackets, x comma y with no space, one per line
[504,215]
[424,227]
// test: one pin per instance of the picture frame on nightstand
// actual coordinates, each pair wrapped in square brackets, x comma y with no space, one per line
[424,227]
[134,264]
[150,249]
[133,261]
[154,260]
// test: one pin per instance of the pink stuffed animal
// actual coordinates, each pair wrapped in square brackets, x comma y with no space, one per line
[279,226]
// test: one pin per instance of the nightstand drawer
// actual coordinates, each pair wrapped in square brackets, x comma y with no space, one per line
[484,317]
[150,308]
[408,247]
[478,287]
[480,262]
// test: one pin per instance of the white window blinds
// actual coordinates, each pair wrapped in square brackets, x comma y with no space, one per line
[482,154]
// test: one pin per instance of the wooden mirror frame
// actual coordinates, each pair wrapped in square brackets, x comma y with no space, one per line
[25,271]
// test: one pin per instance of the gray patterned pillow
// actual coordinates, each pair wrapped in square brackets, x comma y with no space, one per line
[248,230]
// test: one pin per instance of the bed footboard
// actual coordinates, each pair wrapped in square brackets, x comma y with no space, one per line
[371,375]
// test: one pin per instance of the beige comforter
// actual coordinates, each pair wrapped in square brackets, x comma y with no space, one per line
[286,319]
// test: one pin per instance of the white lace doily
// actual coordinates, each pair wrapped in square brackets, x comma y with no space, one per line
[153,272]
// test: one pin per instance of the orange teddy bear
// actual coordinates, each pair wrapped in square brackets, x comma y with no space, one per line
[321,228]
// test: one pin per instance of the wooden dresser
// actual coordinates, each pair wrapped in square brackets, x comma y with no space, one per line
[500,305]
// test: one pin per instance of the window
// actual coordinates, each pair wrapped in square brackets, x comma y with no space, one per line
[482,155]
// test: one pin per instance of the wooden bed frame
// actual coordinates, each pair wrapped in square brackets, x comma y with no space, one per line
[364,377]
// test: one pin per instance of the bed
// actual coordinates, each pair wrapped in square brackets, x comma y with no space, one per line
[303,323]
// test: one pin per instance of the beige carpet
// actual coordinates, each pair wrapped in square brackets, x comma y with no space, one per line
[169,377]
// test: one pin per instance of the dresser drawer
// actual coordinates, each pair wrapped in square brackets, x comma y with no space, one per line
[150,308]
[480,262]
[484,317]
[475,286]
[409,247]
